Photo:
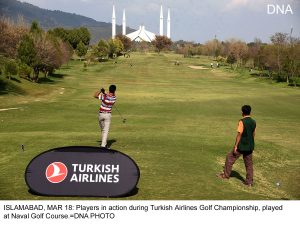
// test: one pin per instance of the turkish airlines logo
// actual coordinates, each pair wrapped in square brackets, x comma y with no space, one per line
[56,172]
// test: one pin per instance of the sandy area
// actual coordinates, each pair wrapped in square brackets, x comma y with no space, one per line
[7,109]
[198,67]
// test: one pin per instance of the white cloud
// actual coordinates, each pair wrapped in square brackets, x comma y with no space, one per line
[253,4]
[236,3]
[84,1]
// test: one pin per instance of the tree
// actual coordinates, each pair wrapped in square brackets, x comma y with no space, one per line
[188,49]
[24,71]
[115,47]
[26,50]
[61,33]
[240,51]
[73,38]
[268,59]
[125,41]
[34,48]
[213,48]
[161,42]
[81,49]
[49,54]
[35,28]
[43,52]
[101,50]
[84,35]
[66,51]
[254,51]
[292,62]
[11,35]
[231,59]
[280,41]
[10,68]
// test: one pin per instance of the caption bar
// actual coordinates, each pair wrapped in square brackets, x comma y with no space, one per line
[117,211]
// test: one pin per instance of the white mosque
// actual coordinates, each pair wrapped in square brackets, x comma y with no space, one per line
[142,34]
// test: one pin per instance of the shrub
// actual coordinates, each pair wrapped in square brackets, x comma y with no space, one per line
[221,59]
[3,60]
[10,68]
[81,49]
[231,59]
[24,71]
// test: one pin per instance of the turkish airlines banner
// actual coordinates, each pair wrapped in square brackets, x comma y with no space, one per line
[82,171]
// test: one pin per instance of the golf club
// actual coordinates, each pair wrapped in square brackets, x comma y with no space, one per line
[123,119]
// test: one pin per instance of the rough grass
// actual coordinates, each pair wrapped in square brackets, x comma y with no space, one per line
[180,125]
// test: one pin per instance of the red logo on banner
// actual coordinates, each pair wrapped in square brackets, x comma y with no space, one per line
[56,172]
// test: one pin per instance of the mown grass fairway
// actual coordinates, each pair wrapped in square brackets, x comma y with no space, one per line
[180,124]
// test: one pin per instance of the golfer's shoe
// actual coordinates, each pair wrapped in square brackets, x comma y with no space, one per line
[222,176]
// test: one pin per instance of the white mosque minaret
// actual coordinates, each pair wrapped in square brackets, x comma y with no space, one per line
[169,24]
[161,22]
[124,23]
[142,34]
[113,23]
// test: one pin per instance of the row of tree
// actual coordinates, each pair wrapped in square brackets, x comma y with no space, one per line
[111,48]
[122,45]
[29,51]
[73,36]
[279,59]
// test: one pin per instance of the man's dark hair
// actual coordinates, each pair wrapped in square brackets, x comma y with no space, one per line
[246,109]
[112,89]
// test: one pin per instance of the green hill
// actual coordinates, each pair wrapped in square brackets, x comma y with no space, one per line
[48,19]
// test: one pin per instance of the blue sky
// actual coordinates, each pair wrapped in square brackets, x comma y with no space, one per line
[192,20]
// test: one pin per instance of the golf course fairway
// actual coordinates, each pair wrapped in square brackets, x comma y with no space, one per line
[181,122]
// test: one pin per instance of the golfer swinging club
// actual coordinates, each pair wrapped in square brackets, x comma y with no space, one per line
[107,101]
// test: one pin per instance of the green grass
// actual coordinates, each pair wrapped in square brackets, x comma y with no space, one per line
[181,122]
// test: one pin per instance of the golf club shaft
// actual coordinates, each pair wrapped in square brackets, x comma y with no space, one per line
[119,113]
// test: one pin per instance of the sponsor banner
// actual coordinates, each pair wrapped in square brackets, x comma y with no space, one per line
[82,171]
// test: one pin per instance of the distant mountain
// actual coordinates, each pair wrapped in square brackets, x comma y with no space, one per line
[48,19]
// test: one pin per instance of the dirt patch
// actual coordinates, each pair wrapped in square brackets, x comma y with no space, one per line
[198,67]
[8,109]
[62,91]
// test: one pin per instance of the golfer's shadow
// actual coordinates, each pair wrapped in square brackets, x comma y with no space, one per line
[109,142]
[237,176]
